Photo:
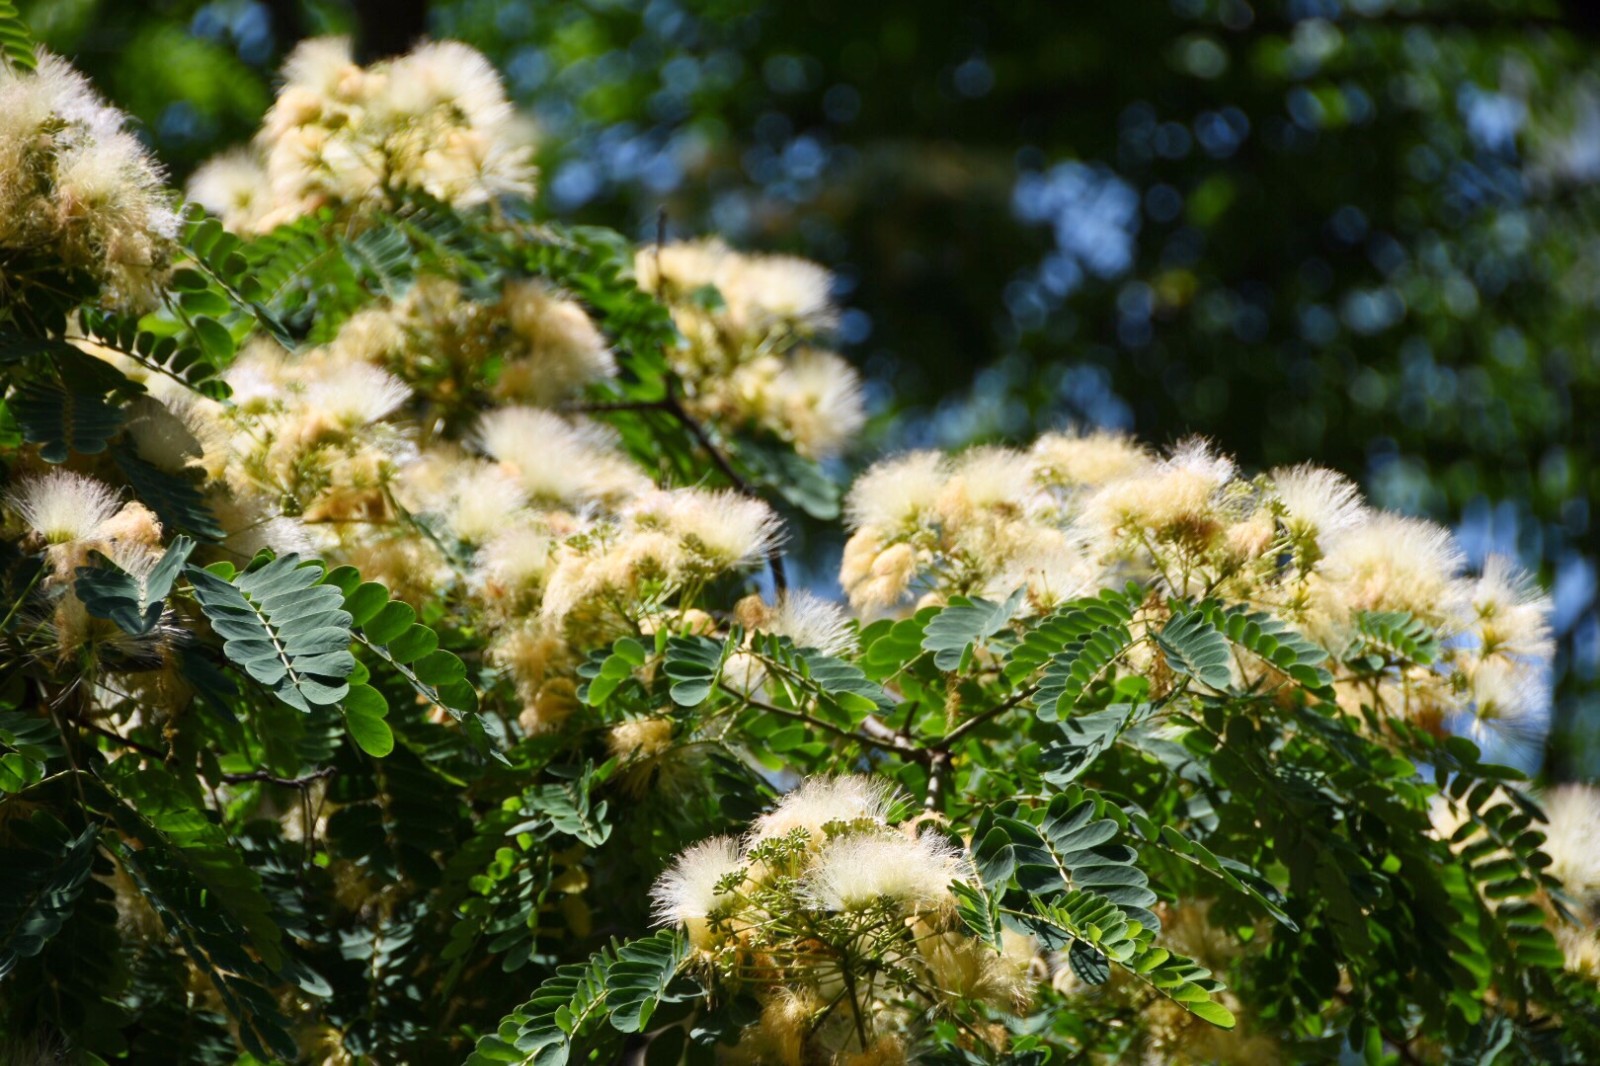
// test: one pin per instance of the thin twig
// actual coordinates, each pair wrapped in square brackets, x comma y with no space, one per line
[127,742]
[893,742]
[938,771]
[273,779]
[978,719]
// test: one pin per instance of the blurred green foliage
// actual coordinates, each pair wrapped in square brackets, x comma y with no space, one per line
[1359,232]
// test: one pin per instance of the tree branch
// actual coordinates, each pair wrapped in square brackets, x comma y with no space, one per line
[273,779]
[978,719]
[892,742]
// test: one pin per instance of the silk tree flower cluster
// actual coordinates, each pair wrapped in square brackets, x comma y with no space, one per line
[79,191]
[344,136]
[750,358]
[1076,513]
[1160,720]
[842,925]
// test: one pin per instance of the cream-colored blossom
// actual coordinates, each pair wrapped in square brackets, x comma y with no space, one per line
[858,870]
[62,507]
[823,800]
[556,460]
[687,893]
[1572,838]
[897,493]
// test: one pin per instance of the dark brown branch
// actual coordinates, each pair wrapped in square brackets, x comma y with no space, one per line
[938,772]
[117,738]
[273,779]
[978,719]
[893,742]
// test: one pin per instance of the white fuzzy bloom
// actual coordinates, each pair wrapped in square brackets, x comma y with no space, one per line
[451,75]
[812,622]
[817,400]
[1072,460]
[898,492]
[1317,501]
[565,351]
[1179,491]
[234,187]
[823,800]
[1510,698]
[557,460]
[484,502]
[517,558]
[860,869]
[1512,614]
[1394,563]
[762,290]
[1572,839]
[63,507]
[724,528]
[321,65]
[687,892]
[989,477]
[356,394]
[78,187]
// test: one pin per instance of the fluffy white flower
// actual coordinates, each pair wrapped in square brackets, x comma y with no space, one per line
[234,187]
[1394,563]
[556,460]
[860,869]
[687,892]
[484,502]
[816,398]
[1572,839]
[1512,614]
[1070,460]
[1318,502]
[898,492]
[822,800]
[356,394]
[812,622]
[63,507]
[725,528]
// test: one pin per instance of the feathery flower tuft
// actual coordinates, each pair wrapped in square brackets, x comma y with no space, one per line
[1571,838]
[1318,503]
[687,892]
[897,493]
[63,507]
[724,528]
[858,870]
[556,460]
[1394,563]
[824,800]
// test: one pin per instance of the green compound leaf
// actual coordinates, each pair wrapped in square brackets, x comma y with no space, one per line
[16,43]
[1274,642]
[1400,634]
[389,629]
[61,422]
[952,633]
[364,712]
[46,870]
[693,663]
[1196,648]
[638,979]
[135,602]
[283,628]
[543,1030]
